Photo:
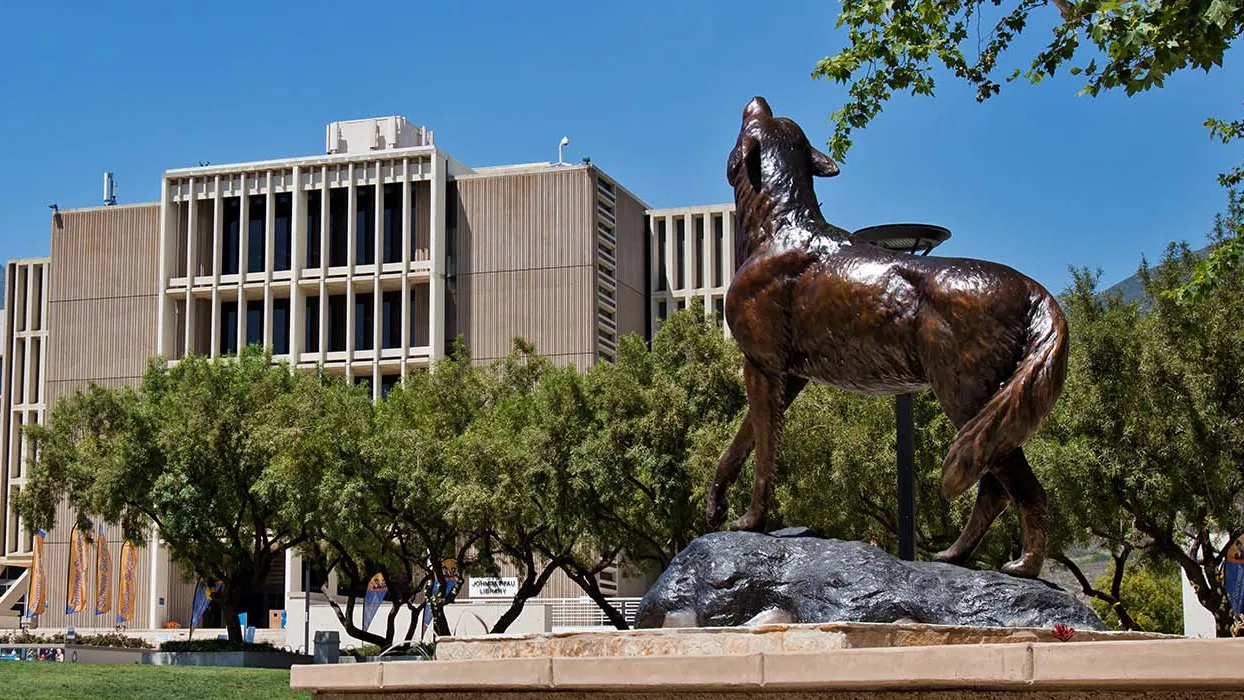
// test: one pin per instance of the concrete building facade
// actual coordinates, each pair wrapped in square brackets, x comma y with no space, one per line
[368,261]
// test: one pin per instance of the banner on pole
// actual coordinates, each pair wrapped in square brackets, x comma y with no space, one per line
[376,590]
[1233,577]
[79,552]
[103,574]
[202,599]
[127,586]
[36,597]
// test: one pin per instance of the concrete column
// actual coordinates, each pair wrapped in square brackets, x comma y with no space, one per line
[218,225]
[157,614]
[161,301]
[705,251]
[297,248]
[405,286]
[692,257]
[376,295]
[436,252]
[269,228]
[727,258]
[351,222]
[244,225]
[192,264]
[350,321]
[323,310]
[325,210]
[671,258]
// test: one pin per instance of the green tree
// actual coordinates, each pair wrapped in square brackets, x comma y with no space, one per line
[840,475]
[1145,448]
[412,469]
[514,464]
[1132,46]
[1155,602]
[189,453]
[1113,44]
[660,417]
[322,452]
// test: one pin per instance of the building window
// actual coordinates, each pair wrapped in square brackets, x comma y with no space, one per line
[738,261]
[229,327]
[337,323]
[313,228]
[719,309]
[387,382]
[312,341]
[280,326]
[418,316]
[719,244]
[254,322]
[338,226]
[391,318]
[364,324]
[662,281]
[231,240]
[451,215]
[680,226]
[365,226]
[699,251]
[255,234]
[662,311]
[282,234]
[391,237]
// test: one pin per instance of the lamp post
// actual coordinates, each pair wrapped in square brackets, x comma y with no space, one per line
[913,239]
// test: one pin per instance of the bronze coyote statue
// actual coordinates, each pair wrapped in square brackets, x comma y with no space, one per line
[812,302]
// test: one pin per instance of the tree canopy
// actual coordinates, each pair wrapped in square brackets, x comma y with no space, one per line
[545,468]
[189,452]
[1113,44]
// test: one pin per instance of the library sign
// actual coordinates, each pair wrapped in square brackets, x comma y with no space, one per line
[493,587]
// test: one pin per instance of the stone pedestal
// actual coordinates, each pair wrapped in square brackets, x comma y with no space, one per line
[826,662]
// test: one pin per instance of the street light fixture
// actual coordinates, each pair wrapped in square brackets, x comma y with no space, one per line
[906,238]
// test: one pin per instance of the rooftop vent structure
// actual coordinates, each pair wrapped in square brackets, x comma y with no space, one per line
[374,134]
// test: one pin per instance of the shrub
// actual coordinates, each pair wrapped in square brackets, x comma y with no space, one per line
[215,645]
[1153,599]
[110,639]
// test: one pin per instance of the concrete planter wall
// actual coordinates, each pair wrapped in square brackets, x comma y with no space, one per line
[239,659]
[76,653]
[81,653]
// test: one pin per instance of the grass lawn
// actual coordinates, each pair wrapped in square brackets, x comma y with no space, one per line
[34,680]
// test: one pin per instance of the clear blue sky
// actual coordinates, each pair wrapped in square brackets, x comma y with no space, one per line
[1037,178]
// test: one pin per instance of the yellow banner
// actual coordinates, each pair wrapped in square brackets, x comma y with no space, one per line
[103,574]
[36,597]
[127,587]
[76,577]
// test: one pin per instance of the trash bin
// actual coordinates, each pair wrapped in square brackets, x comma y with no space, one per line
[327,646]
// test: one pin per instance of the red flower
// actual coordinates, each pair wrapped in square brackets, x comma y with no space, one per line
[1063,632]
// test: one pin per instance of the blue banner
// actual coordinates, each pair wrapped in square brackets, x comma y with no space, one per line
[376,590]
[202,599]
[1233,576]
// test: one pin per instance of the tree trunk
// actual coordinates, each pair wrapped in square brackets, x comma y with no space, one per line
[532,585]
[1113,598]
[587,581]
[346,618]
[439,624]
[229,608]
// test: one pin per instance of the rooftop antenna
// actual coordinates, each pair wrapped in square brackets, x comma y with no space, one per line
[110,189]
[564,142]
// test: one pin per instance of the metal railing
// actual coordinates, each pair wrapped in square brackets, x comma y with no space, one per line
[584,613]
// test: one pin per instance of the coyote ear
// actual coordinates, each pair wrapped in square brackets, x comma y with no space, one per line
[822,165]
